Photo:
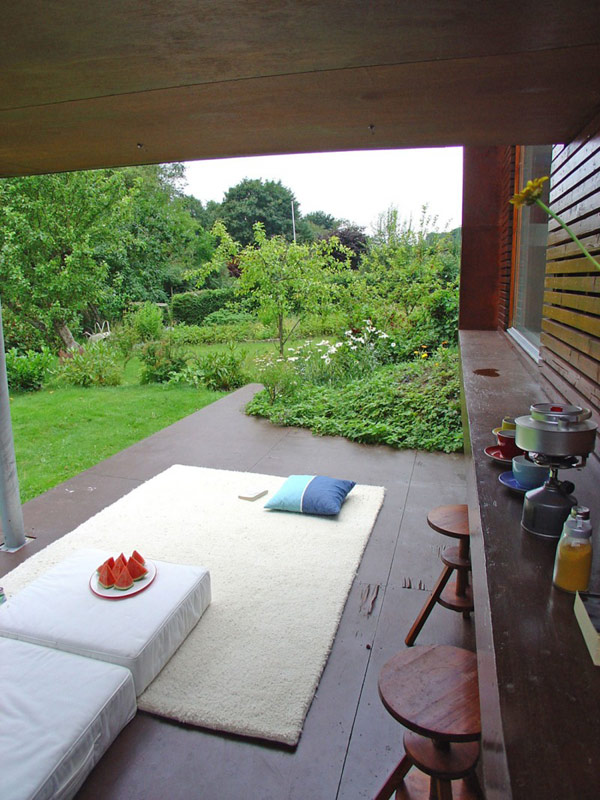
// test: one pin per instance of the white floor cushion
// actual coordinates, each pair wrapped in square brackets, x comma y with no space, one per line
[59,713]
[140,632]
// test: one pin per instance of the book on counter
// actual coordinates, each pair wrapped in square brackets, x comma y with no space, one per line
[587,611]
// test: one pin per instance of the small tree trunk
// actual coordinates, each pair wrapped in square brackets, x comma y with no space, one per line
[280,333]
[67,337]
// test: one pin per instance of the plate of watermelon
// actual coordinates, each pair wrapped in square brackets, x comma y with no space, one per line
[121,577]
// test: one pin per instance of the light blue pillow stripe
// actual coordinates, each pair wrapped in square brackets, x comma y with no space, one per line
[289,497]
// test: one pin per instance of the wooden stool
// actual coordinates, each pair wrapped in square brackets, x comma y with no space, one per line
[433,691]
[452,521]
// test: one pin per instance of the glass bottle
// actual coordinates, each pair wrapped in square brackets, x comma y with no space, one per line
[573,562]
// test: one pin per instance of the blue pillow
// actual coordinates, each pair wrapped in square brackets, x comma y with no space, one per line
[311,494]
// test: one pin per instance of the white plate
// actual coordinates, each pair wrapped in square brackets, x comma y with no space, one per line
[119,594]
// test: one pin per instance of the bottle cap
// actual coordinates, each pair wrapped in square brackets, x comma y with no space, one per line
[581,512]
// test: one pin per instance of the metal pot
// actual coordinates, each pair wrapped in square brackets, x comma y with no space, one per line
[556,429]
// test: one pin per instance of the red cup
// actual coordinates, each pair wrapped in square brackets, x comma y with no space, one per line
[506,443]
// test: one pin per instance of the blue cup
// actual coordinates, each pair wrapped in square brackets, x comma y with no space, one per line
[527,473]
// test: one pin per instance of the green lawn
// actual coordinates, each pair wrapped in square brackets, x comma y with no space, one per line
[60,432]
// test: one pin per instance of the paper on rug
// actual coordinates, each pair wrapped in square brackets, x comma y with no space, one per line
[279,582]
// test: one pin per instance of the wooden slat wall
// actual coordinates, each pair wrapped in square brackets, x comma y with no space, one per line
[506,238]
[570,353]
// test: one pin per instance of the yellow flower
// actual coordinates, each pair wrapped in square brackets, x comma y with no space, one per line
[423,355]
[530,193]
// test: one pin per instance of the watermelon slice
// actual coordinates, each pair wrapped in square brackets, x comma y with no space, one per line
[138,557]
[109,562]
[123,580]
[136,570]
[106,578]
[121,560]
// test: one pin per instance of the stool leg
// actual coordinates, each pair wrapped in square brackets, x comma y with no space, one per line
[462,577]
[395,779]
[426,610]
[444,789]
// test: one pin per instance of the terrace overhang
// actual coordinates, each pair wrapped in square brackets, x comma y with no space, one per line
[122,83]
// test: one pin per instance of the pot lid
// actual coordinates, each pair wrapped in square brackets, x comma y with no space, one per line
[560,414]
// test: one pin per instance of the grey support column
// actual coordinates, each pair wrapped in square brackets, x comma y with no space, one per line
[10,502]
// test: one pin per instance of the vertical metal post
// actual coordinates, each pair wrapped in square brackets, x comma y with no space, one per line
[10,502]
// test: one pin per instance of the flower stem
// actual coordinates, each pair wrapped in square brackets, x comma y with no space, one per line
[569,231]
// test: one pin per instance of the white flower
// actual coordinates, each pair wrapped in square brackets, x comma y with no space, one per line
[353,347]
[383,335]
[292,358]
[392,344]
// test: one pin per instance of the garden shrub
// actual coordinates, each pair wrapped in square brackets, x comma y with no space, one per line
[220,371]
[93,365]
[146,322]
[407,405]
[220,334]
[27,372]
[193,307]
[160,360]
[228,316]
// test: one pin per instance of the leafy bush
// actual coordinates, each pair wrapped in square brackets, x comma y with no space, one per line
[193,307]
[278,376]
[160,360]
[217,371]
[228,316]
[93,365]
[409,405]
[220,334]
[146,322]
[28,372]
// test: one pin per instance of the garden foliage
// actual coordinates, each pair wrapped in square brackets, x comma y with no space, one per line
[96,364]
[192,308]
[412,404]
[27,372]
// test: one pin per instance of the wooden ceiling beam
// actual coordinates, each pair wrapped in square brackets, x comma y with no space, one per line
[482,101]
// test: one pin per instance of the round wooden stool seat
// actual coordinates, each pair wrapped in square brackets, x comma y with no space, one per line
[452,557]
[452,520]
[433,691]
[457,598]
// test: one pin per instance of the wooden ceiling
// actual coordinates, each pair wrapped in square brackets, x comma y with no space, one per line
[115,82]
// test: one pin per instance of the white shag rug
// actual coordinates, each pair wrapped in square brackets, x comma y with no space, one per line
[279,585]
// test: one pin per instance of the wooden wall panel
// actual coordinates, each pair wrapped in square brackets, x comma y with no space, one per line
[570,352]
[507,216]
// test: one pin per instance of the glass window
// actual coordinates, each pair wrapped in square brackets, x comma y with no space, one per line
[529,255]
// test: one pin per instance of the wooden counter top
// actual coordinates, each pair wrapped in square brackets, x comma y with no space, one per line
[539,690]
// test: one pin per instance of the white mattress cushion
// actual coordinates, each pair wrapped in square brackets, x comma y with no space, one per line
[140,632]
[60,712]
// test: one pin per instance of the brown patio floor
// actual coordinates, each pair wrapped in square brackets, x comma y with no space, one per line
[349,743]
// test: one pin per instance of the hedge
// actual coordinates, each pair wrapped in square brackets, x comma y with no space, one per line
[192,307]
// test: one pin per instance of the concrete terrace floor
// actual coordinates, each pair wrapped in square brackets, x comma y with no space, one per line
[349,743]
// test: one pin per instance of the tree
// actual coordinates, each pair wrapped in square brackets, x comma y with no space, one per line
[321,219]
[254,200]
[415,272]
[163,242]
[56,232]
[284,279]
[354,238]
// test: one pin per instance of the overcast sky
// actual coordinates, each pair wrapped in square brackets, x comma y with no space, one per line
[356,186]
